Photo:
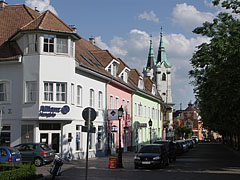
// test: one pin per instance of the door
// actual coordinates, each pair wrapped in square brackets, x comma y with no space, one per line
[55,142]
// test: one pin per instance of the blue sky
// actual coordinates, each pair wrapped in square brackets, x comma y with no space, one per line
[124,27]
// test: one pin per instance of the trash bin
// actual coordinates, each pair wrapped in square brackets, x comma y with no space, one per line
[112,164]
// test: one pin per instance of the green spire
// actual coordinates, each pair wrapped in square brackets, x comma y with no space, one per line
[161,52]
[150,62]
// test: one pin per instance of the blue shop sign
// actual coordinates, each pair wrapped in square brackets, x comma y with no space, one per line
[48,111]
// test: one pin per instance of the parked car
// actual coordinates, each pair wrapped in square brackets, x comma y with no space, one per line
[179,147]
[10,155]
[36,153]
[151,155]
[195,138]
[170,147]
[189,143]
[184,145]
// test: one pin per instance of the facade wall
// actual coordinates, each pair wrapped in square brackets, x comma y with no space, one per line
[142,108]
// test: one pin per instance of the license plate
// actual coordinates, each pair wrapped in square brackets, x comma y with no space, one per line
[146,162]
[17,159]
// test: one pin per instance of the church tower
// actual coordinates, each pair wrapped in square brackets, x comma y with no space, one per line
[163,73]
[149,70]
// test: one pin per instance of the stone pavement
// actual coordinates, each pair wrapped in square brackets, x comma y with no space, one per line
[93,163]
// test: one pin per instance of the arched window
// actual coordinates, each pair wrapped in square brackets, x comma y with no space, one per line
[164,77]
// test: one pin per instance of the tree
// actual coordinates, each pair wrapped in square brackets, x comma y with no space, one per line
[216,71]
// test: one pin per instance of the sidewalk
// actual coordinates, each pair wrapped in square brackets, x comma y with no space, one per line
[93,163]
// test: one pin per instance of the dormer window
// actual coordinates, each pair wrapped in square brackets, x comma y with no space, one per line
[140,83]
[124,75]
[48,43]
[112,68]
[163,77]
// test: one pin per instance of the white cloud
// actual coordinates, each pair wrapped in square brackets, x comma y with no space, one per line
[179,49]
[151,16]
[41,5]
[188,17]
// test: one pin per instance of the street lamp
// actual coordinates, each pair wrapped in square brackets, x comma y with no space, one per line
[119,160]
[150,126]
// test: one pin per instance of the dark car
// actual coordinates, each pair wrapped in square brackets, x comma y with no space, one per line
[36,153]
[151,155]
[170,147]
[179,147]
[9,155]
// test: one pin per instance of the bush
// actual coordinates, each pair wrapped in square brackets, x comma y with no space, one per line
[17,172]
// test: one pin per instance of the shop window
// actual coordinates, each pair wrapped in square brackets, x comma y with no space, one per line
[5,136]
[49,126]
[27,133]
[99,138]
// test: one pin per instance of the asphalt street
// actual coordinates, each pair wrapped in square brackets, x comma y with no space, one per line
[207,161]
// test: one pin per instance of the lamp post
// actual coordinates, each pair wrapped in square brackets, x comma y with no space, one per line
[150,126]
[119,159]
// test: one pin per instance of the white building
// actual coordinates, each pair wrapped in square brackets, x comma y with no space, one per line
[44,87]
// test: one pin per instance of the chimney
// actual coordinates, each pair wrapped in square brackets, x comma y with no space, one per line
[73,28]
[3,4]
[92,40]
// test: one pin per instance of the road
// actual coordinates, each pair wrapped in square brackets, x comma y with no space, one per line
[207,161]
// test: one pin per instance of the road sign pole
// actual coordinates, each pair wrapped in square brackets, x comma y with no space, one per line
[89,121]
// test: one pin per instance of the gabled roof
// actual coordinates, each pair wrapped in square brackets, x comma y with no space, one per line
[48,21]
[134,76]
[148,84]
[14,17]
[122,65]
[104,56]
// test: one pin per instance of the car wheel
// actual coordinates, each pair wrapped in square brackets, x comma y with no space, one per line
[38,162]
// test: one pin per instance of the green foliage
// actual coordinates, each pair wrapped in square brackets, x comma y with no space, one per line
[183,131]
[216,71]
[17,172]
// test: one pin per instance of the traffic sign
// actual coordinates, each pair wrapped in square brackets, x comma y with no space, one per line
[89,114]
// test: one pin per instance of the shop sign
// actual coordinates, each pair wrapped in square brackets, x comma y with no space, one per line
[143,125]
[49,111]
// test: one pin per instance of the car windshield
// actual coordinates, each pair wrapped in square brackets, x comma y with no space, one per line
[45,147]
[150,149]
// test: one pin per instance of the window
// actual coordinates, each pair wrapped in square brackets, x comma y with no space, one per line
[78,138]
[91,101]
[27,133]
[153,115]
[164,77]
[111,102]
[145,111]
[71,48]
[32,43]
[128,107]
[61,92]
[135,109]
[148,112]
[117,102]
[48,45]
[79,95]
[62,44]
[110,69]
[100,138]
[5,136]
[31,91]
[114,69]
[100,100]
[122,76]
[72,93]
[4,91]
[124,105]
[48,91]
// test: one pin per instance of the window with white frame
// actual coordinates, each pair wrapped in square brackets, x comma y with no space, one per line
[48,91]
[100,100]
[32,43]
[72,48]
[79,95]
[145,111]
[124,105]
[4,91]
[117,102]
[128,107]
[72,93]
[48,45]
[110,69]
[135,109]
[78,138]
[111,102]
[149,112]
[91,100]
[114,69]
[62,44]
[61,92]
[139,111]
[31,91]
[153,111]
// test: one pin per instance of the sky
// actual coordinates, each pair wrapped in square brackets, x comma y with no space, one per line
[124,28]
